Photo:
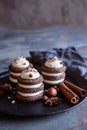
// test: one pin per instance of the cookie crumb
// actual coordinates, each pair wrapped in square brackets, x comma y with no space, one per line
[9,97]
[13,102]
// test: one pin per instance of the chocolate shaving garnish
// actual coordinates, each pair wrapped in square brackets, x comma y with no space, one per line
[52,59]
[49,60]
[61,62]
[30,75]
[33,70]
[24,63]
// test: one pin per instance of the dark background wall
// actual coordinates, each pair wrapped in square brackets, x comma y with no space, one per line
[41,13]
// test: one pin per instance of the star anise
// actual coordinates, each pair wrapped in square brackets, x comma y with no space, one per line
[52,101]
[48,102]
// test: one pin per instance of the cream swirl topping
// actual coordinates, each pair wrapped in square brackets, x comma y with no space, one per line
[20,62]
[30,73]
[54,63]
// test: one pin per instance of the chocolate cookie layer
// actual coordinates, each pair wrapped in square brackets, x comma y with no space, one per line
[29,98]
[52,78]
[30,90]
[14,77]
[18,70]
[30,81]
[53,71]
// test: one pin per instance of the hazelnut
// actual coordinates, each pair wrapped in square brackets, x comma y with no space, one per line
[1,92]
[7,87]
[52,91]
[44,97]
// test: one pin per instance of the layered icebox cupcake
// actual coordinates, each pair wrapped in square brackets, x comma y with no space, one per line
[17,66]
[53,71]
[30,85]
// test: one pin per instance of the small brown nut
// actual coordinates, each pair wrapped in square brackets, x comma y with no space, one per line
[52,91]
[30,75]
[6,86]
[24,63]
[44,97]
[61,62]
[1,87]
[1,92]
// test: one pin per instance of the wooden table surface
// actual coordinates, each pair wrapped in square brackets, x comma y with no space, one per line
[14,43]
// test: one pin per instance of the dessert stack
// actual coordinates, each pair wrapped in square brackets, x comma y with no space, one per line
[17,66]
[53,71]
[30,86]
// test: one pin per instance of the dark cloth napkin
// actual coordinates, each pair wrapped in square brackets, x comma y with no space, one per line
[76,66]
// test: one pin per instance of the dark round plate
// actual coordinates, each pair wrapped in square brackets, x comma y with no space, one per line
[36,108]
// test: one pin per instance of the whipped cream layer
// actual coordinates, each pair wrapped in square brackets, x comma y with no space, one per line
[52,74]
[54,63]
[30,73]
[30,86]
[13,80]
[14,74]
[20,62]
[30,94]
[54,81]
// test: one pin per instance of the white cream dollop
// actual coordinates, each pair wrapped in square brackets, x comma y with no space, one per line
[54,63]
[30,73]
[20,62]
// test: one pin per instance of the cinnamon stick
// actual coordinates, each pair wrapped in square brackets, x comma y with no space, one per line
[77,89]
[68,93]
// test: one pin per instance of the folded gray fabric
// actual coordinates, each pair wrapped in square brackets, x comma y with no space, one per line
[76,66]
